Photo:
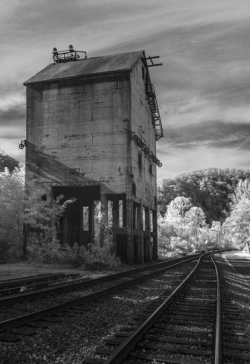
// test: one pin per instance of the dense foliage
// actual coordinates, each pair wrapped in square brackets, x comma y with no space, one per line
[210,189]
[183,229]
[29,221]
[236,228]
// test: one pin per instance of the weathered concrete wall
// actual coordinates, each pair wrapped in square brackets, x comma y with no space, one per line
[142,126]
[80,123]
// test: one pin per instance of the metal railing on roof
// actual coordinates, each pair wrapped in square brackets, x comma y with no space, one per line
[69,55]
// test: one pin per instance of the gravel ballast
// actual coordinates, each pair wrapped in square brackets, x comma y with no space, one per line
[78,335]
[236,311]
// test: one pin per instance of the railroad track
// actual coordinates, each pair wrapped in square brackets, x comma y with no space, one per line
[16,286]
[14,328]
[81,283]
[184,328]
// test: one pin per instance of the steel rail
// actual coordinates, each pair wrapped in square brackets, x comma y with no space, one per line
[128,345]
[218,331]
[13,283]
[19,321]
[29,277]
[79,283]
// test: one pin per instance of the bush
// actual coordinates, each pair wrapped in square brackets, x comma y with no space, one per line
[55,253]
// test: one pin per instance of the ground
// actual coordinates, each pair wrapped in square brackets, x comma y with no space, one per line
[240,261]
[20,270]
[23,269]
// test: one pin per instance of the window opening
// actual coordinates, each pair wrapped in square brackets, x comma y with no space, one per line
[74,171]
[139,160]
[151,221]
[85,218]
[97,220]
[150,169]
[135,217]
[134,189]
[110,213]
[120,213]
[44,197]
[143,72]
[144,218]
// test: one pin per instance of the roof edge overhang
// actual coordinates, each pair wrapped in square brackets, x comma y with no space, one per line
[78,76]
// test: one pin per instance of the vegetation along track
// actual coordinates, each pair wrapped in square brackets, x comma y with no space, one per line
[78,305]
[185,328]
[82,283]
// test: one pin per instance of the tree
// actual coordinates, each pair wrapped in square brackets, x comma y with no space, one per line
[195,221]
[210,189]
[11,212]
[236,228]
[215,234]
[7,162]
[26,218]
[183,226]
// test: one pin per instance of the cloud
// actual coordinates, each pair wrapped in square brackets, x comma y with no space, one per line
[213,133]
[12,115]
[199,158]
[203,88]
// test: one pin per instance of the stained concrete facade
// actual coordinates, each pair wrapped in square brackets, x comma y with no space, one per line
[80,116]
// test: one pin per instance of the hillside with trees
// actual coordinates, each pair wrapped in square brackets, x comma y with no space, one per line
[202,210]
[7,162]
[210,189]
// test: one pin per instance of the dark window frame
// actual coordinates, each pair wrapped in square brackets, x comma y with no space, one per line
[139,160]
[143,72]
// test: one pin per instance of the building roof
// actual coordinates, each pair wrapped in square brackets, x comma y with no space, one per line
[86,67]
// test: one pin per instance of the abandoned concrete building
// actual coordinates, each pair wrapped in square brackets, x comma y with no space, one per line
[92,127]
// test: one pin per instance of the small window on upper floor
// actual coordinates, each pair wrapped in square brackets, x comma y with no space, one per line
[134,189]
[150,169]
[44,197]
[143,72]
[139,160]
[75,171]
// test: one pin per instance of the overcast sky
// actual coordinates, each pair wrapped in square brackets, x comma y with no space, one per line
[203,87]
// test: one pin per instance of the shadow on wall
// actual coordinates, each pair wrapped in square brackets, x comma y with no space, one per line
[46,168]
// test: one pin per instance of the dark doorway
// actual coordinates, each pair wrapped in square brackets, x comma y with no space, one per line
[121,247]
[146,256]
[77,224]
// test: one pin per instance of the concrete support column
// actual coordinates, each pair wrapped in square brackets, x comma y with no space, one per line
[65,226]
[91,222]
[129,221]
[148,250]
[104,216]
[155,250]
[140,233]
[116,213]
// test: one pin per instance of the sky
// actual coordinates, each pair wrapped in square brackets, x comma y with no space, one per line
[202,88]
